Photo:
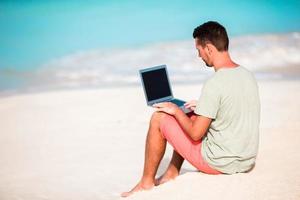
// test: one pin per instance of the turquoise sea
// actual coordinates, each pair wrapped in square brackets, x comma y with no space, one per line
[34,33]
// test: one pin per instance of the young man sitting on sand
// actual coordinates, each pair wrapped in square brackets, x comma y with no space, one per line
[221,135]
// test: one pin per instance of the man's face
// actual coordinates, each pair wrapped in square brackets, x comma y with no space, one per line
[203,53]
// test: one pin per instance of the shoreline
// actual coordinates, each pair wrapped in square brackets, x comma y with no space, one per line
[277,74]
[274,53]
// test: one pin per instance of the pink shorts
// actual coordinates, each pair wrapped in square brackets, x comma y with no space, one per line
[184,145]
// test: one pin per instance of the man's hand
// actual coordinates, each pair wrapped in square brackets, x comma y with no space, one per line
[167,107]
[191,104]
[196,129]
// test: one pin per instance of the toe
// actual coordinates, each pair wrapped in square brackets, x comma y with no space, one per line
[125,194]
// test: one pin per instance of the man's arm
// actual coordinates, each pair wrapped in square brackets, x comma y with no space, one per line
[195,129]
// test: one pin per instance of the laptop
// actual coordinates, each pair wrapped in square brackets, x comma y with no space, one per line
[157,87]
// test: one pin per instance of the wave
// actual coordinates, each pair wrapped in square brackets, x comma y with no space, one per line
[119,67]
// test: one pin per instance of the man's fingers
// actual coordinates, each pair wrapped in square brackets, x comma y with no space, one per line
[192,108]
[162,104]
[191,102]
[160,110]
[157,105]
[189,105]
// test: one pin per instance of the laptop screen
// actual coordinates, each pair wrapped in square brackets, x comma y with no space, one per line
[156,84]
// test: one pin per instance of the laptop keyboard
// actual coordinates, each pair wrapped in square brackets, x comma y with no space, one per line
[177,102]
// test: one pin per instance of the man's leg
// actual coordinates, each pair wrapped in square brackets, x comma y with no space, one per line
[173,169]
[154,151]
[175,164]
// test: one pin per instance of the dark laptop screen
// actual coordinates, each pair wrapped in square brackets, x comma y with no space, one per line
[156,84]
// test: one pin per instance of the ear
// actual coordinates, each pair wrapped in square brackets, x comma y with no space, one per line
[210,48]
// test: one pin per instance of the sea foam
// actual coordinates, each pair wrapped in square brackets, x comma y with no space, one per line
[119,67]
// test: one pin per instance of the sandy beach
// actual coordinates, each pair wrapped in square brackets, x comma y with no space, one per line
[73,116]
[89,144]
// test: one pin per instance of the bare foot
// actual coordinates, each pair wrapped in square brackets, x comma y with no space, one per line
[167,176]
[139,187]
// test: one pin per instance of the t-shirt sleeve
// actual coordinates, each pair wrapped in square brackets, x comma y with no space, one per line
[209,101]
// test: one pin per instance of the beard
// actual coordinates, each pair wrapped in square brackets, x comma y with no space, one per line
[207,64]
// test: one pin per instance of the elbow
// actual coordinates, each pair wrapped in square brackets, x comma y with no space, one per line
[196,137]
[197,132]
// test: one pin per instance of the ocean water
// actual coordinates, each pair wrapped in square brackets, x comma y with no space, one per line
[53,44]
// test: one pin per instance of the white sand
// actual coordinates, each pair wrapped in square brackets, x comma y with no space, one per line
[89,144]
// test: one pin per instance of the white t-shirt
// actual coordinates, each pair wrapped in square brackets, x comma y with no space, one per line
[231,99]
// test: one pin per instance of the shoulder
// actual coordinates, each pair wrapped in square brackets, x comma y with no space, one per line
[245,71]
[212,85]
[247,75]
[214,81]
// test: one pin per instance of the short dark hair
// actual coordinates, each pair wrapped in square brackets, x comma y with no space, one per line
[214,33]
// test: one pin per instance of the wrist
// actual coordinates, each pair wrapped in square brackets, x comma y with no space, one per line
[177,111]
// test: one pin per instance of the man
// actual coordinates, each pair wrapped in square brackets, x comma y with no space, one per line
[221,135]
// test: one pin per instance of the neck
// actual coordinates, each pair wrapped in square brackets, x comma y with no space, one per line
[223,60]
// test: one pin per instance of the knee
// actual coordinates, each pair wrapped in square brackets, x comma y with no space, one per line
[157,117]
